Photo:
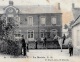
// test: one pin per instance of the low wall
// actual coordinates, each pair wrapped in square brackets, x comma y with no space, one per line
[76,51]
[49,45]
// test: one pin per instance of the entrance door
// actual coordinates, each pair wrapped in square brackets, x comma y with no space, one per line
[53,32]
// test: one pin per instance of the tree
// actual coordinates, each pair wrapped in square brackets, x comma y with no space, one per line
[65,26]
[7,28]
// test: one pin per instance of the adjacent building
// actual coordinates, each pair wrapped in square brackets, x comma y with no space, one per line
[34,22]
[76,30]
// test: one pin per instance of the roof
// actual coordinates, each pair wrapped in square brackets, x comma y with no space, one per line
[76,22]
[35,9]
[76,14]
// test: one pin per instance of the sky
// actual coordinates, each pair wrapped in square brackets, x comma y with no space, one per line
[66,6]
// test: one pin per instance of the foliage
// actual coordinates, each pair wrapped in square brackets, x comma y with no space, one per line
[10,47]
[7,28]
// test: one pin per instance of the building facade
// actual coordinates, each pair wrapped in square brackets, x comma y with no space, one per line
[34,22]
[76,30]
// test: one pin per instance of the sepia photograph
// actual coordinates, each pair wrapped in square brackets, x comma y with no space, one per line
[39,30]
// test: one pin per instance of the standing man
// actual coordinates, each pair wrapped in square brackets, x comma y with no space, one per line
[23,46]
[35,44]
[45,41]
[64,37]
[70,48]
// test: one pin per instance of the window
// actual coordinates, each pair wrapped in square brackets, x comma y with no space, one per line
[17,33]
[17,20]
[54,31]
[53,20]
[30,34]
[42,33]
[30,20]
[43,20]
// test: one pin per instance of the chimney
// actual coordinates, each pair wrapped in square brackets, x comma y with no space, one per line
[59,6]
[73,5]
[10,2]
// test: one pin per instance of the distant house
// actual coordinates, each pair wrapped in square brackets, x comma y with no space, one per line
[76,30]
[34,22]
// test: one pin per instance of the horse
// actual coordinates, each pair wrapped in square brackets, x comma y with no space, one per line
[60,41]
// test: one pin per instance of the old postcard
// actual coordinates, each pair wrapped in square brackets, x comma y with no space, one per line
[39,31]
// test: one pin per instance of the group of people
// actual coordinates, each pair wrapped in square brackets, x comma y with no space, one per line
[60,39]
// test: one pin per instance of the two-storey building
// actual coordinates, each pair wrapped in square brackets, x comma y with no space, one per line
[34,22]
